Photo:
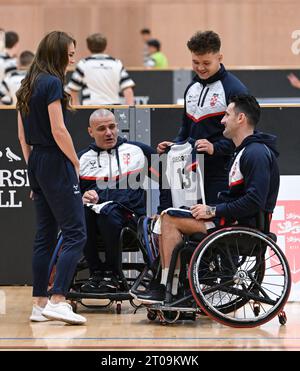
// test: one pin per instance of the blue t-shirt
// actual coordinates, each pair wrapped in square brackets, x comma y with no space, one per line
[47,89]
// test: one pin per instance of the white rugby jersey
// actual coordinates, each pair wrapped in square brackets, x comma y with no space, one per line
[10,85]
[184,176]
[101,78]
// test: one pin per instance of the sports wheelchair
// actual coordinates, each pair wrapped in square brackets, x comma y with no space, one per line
[128,271]
[236,275]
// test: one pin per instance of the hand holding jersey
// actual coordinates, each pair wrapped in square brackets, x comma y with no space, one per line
[203,145]
[161,148]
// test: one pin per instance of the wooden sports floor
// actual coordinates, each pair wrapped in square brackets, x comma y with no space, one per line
[106,330]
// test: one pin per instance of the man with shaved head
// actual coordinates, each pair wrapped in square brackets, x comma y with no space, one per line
[111,169]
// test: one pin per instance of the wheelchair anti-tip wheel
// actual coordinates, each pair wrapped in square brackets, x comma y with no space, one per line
[240,277]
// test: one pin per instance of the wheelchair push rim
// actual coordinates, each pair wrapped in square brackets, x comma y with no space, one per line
[242,287]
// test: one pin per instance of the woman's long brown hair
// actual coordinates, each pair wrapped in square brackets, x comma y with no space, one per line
[51,58]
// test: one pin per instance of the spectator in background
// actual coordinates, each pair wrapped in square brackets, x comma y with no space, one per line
[100,77]
[12,82]
[146,36]
[8,62]
[293,79]
[157,58]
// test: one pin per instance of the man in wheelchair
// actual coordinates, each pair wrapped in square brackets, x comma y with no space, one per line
[110,169]
[253,187]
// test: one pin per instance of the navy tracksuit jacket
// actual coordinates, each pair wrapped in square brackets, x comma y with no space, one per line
[253,180]
[205,102]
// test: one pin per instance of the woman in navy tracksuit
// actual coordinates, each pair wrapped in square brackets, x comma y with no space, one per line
[53,169]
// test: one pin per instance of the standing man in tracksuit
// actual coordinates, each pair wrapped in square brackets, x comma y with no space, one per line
[111,169]
[206,99]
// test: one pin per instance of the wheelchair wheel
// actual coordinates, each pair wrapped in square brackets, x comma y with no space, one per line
[239,277]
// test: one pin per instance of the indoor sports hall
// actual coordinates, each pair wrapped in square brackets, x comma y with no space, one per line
[123,124]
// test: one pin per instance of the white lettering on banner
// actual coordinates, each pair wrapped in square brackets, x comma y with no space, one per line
[286,225]
[11,200]
[292,216]
[17,178]
[293,239]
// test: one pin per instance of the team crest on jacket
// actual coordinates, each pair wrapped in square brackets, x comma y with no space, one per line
[126,158]
[214,99]
[93,164]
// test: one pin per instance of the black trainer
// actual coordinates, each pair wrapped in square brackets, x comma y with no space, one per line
[153,296]
[93,282]
[108,285]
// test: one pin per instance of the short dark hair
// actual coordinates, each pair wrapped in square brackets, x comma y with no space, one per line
[204,42]
[96,43]
[145,31]
[11,38]
[248,105]
[155,43]
[26,58]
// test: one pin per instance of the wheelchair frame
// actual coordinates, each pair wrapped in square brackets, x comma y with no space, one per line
[246,289]
[75,295]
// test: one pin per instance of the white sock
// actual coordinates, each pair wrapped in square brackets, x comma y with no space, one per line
[175,281]
[164,276]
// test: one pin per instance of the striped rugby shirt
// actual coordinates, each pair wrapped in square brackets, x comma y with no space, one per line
[7,65]
[10,85]
[101,78]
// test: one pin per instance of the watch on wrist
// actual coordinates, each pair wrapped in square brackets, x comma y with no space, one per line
[211,211]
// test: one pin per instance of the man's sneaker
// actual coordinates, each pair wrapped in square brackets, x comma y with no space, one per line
[62,312]
[112,284]
[153,296]
[93,282]
[36,314]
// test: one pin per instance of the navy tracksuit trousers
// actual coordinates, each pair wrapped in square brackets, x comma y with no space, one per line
[212,187]
[109,226]
[58,204]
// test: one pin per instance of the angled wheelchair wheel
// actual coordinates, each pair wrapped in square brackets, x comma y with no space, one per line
[239,277]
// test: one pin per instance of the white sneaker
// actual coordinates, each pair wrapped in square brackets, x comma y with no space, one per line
[36,315]
[62,312]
